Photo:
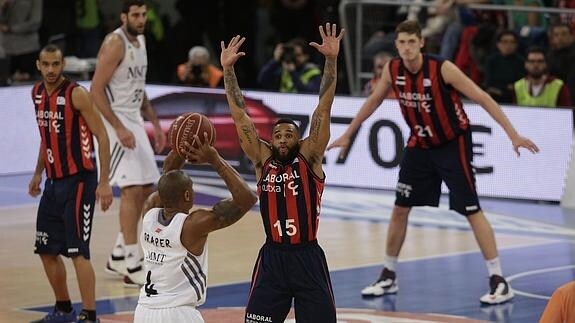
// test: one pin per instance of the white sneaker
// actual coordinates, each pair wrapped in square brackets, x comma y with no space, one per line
[116,266]
[386,284]
[135,277]
[500,291]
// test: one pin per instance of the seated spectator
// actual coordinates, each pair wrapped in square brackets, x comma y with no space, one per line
[562,54]
[379,61]
[537,88]
[503,68]
[198,71]
[561,306]
[290,69]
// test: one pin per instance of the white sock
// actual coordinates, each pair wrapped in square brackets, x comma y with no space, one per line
[494,267]
[390,262]
[132,255]
[118,250]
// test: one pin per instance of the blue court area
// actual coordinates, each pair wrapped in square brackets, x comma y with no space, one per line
[446,284]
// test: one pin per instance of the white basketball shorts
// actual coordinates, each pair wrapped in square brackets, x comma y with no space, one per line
[131,166]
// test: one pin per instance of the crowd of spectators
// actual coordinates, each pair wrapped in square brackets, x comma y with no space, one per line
[489,46]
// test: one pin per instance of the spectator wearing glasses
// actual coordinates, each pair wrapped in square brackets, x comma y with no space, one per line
[538,88]
[379,61]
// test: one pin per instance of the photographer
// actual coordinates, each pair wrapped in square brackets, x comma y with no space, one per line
[198,71]
[290,69]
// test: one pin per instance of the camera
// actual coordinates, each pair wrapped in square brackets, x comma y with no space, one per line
[288,55]
[196,71]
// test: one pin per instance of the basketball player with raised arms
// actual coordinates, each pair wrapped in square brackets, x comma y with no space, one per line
[67,119]
[291,266]
[174,238]
[438,149]
[118,90]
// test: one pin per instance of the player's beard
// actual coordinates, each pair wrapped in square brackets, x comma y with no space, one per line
[287,158]
[133,31]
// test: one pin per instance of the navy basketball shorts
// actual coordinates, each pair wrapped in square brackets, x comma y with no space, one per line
[64,221]
[283,273]
[422,171]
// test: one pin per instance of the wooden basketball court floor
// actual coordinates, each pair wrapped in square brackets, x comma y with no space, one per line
[441,272]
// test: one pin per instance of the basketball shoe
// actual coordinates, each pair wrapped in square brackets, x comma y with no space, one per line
[135,277]
[385,284]
[116,266]
[500,291]
[58,317]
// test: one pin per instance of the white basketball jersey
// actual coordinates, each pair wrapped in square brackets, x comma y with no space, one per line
[126,88]
[174,277]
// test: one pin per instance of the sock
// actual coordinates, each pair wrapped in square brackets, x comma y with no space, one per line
[494,267]
[132,254]
[118,250]
[88,315]
[64,306]
[390,262]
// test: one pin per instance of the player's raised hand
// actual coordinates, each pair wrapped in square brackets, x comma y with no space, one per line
[230,54]
[330,40]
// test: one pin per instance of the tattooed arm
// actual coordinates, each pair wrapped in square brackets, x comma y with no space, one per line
[314,145]
[256,150]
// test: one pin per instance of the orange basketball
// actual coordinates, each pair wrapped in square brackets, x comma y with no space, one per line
[186,126]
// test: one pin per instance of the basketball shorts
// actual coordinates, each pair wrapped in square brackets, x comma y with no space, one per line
[131,166]
[172,314]
[423,170]
[285,273]
[64,221]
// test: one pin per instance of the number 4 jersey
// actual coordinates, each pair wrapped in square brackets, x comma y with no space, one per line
[174,276]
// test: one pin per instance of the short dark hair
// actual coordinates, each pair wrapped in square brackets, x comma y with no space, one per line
[505,32]
[409,26]
[287,120]
[301,43]
[50,48]
[126,4]
[535,50]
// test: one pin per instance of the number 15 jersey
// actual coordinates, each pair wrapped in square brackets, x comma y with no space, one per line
[290,201]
